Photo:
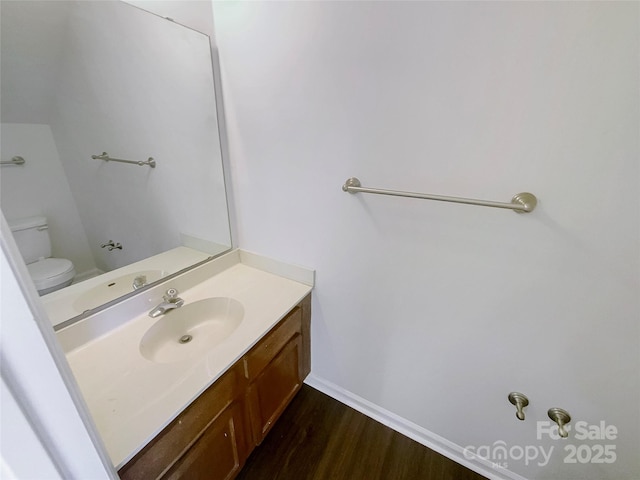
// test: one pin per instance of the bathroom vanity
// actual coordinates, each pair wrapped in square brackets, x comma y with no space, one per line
[195,410]
[213,437]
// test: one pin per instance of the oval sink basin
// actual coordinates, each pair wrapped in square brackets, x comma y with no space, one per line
[191,330]
[114,288]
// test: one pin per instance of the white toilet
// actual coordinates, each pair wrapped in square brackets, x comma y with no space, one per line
[48,274]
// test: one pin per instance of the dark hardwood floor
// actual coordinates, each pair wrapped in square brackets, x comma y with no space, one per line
[319,438]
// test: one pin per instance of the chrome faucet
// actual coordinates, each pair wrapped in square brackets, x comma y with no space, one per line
[111,246]
[139,282]
[171,301]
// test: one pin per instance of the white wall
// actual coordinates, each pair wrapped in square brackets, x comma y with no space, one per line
[30,58]
[35,375]
[437,311]
[196,14]
[39,187]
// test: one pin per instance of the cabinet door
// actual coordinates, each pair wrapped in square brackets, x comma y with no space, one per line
[265,351]
[274,388]
[218,454]
[165,451]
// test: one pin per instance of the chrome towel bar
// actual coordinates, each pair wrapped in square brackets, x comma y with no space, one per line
[14,161]
[105,156]
[521,203]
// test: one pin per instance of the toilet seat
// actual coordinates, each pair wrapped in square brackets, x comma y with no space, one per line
[51,272]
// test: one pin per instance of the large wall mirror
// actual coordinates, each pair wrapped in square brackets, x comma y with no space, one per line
[83,78]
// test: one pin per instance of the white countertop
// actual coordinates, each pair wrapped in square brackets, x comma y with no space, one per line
[131,398]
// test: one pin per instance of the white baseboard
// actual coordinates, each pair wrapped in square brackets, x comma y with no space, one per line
[411,430]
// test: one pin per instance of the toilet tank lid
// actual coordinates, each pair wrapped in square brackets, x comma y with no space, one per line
[24,223]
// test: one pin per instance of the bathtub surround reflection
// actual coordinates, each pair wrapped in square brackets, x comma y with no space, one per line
[78,106]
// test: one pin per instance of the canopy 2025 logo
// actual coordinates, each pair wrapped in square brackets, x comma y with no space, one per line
[585,452]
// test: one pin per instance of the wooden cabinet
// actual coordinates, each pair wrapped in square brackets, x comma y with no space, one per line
[273,389]
[218,454]
[212,437]
[220,408]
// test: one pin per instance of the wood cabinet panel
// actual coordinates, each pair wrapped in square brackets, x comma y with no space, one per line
[264,352]
[170,444]
[218,454]
[274,388]
[305,306]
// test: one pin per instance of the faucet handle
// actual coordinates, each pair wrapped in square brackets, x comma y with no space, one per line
[139,282]
[171,295]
